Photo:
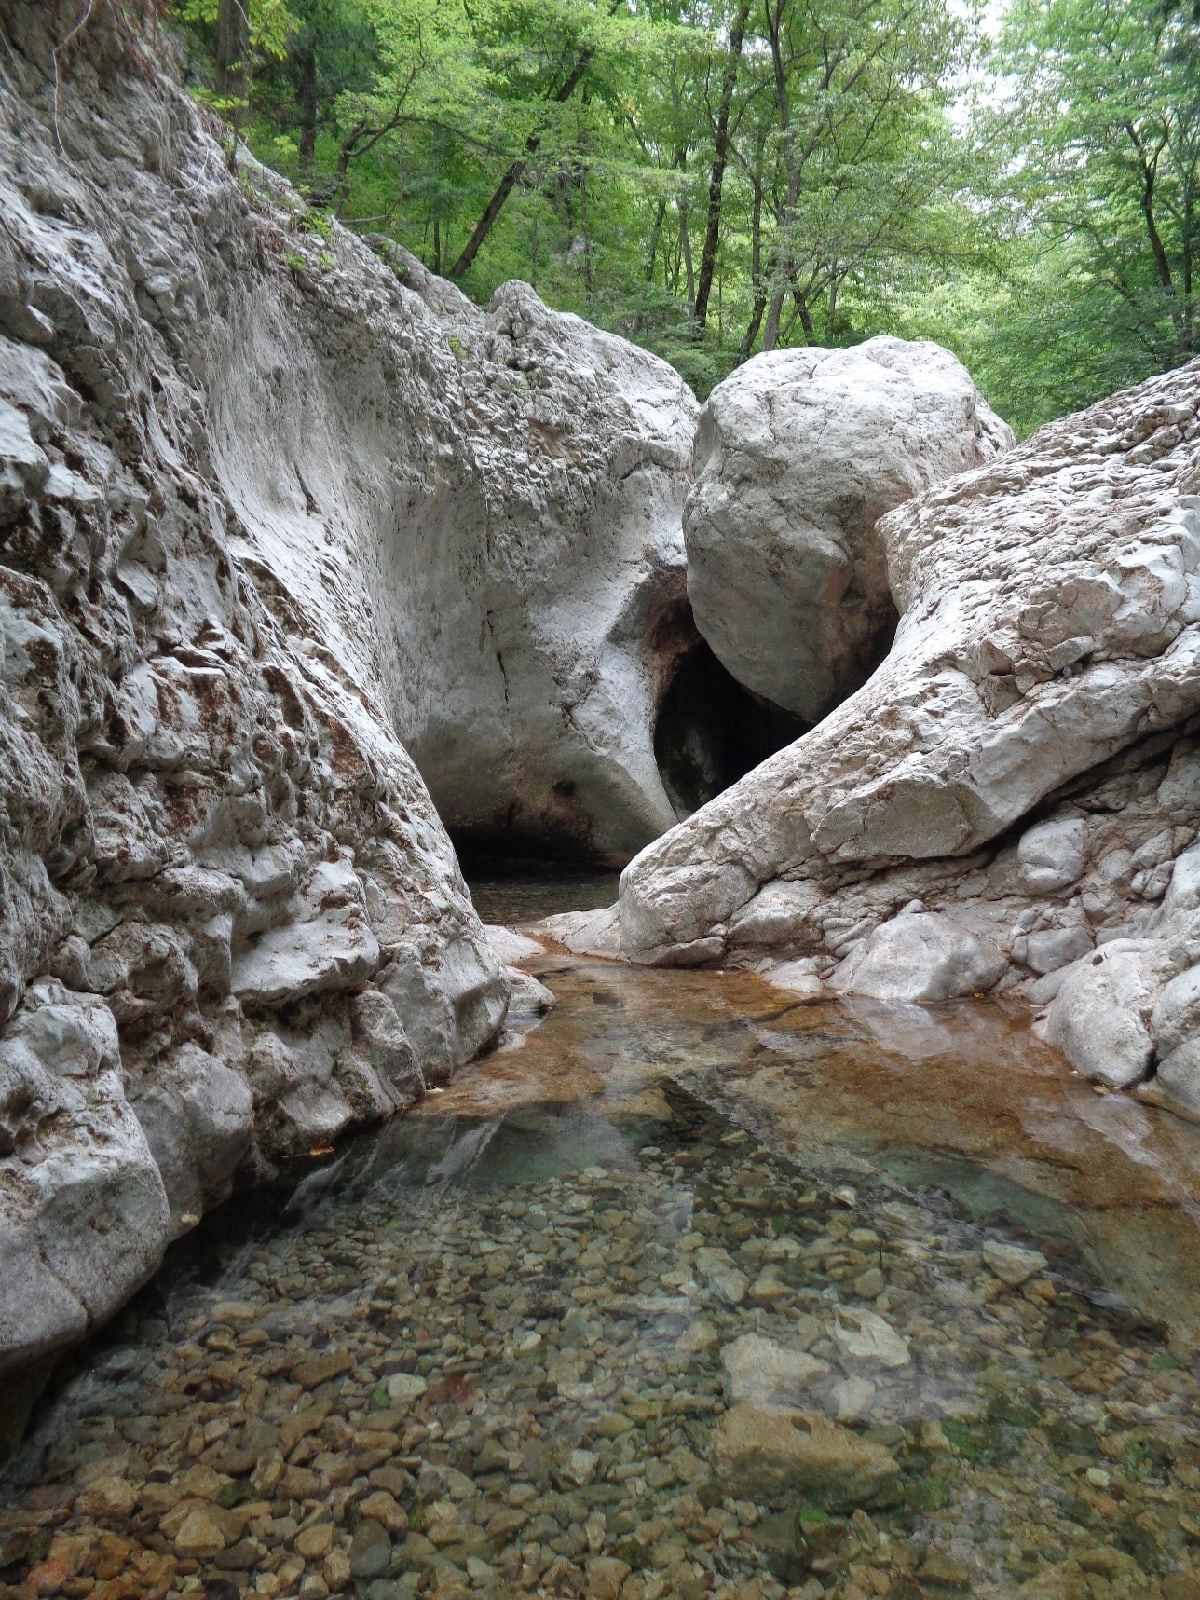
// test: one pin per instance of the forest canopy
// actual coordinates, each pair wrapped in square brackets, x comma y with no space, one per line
[713,178]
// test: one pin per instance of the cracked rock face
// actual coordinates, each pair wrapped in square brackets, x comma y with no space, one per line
[232,922]
[798,455]
[1017,784]
[484,509]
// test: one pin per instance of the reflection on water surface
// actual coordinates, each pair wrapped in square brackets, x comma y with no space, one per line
[692,1292]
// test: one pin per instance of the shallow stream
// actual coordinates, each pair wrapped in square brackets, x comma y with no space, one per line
[507,1344]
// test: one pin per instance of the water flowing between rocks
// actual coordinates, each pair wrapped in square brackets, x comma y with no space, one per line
[689,1291]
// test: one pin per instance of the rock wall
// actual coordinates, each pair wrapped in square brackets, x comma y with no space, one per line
[1011,802]
[267,511]
[484,509]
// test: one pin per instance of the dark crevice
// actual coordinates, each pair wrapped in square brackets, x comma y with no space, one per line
[711,731]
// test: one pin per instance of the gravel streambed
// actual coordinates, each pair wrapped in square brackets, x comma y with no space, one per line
[555,1352]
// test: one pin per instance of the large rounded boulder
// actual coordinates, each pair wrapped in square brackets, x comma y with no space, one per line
[799,454]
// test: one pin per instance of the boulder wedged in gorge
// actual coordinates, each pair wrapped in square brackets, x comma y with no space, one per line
[798,455]
[1023,766]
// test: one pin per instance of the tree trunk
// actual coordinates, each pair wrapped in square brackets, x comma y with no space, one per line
[712,230]
[1188,249]
[771,331]
[655,237]
[232,47]
[760,291]
[581,183]
[685,245]
[512,177]
[306,105]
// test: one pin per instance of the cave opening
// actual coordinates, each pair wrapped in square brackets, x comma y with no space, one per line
[711,730]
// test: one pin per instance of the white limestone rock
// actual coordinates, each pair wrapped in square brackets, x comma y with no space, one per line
[593,933]
[1051,855]
[216,856]
[1048,637]
[1100,1017]
[1177,1080]
[798,455]
[198,1118]
[303,958]
[496,497]
[510,945]
[83,1214]
[920,956]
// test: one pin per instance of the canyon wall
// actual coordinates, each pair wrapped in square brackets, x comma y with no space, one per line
[276,516]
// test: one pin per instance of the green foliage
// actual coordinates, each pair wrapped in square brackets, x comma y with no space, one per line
[1049,238]
[318,223]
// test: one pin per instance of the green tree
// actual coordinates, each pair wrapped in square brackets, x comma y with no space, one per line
[1107,167]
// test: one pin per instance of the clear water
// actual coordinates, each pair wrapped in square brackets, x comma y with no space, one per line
[490,1350]
[507,891]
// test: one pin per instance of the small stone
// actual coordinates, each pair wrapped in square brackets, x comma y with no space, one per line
[107,1497]
[722,1277]
[1010,1263]
[687,1466]
[940,1568]
[852,1398]
[335,1569]
[869,1285]
[698,1335]
[321,1369]
[381,1507]
[491,1458]
[405,1387]
[776,1456]
[370,1550]
[611,1425]
[316,1542]
[48,1577]
[199,1534]
[866,1342]
[767,1290]
[580,1467]
[605,1575]
[766,1373]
